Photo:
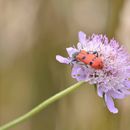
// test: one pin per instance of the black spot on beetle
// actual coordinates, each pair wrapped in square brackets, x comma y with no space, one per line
[84,57]
[90,63]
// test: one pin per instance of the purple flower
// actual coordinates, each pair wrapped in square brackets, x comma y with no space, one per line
[112,80]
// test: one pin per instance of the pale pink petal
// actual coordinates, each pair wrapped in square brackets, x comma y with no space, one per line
[110,104]
[127,83]
[99,91]
[62,59]
[79,46]
[79,72]
[82,37]
[71,51]
[117,95]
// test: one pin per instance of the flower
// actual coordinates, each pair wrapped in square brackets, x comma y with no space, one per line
[112,80]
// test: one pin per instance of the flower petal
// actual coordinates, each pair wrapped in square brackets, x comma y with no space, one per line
[117,95]
[74,71]
[71,51]
[62,59]
[99,91]
[82,37]
[79,46]
[110,103]
[127,83]
[125,91]
[79,72]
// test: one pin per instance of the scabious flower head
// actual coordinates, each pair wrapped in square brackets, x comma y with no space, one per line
[112,80]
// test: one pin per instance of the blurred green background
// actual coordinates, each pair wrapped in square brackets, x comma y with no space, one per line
[32,32]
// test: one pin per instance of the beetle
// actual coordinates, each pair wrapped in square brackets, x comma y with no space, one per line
[91,59]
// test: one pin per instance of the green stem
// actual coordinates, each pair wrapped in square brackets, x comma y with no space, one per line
[41,106]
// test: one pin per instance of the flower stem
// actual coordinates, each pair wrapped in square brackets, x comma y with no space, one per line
[41,106]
